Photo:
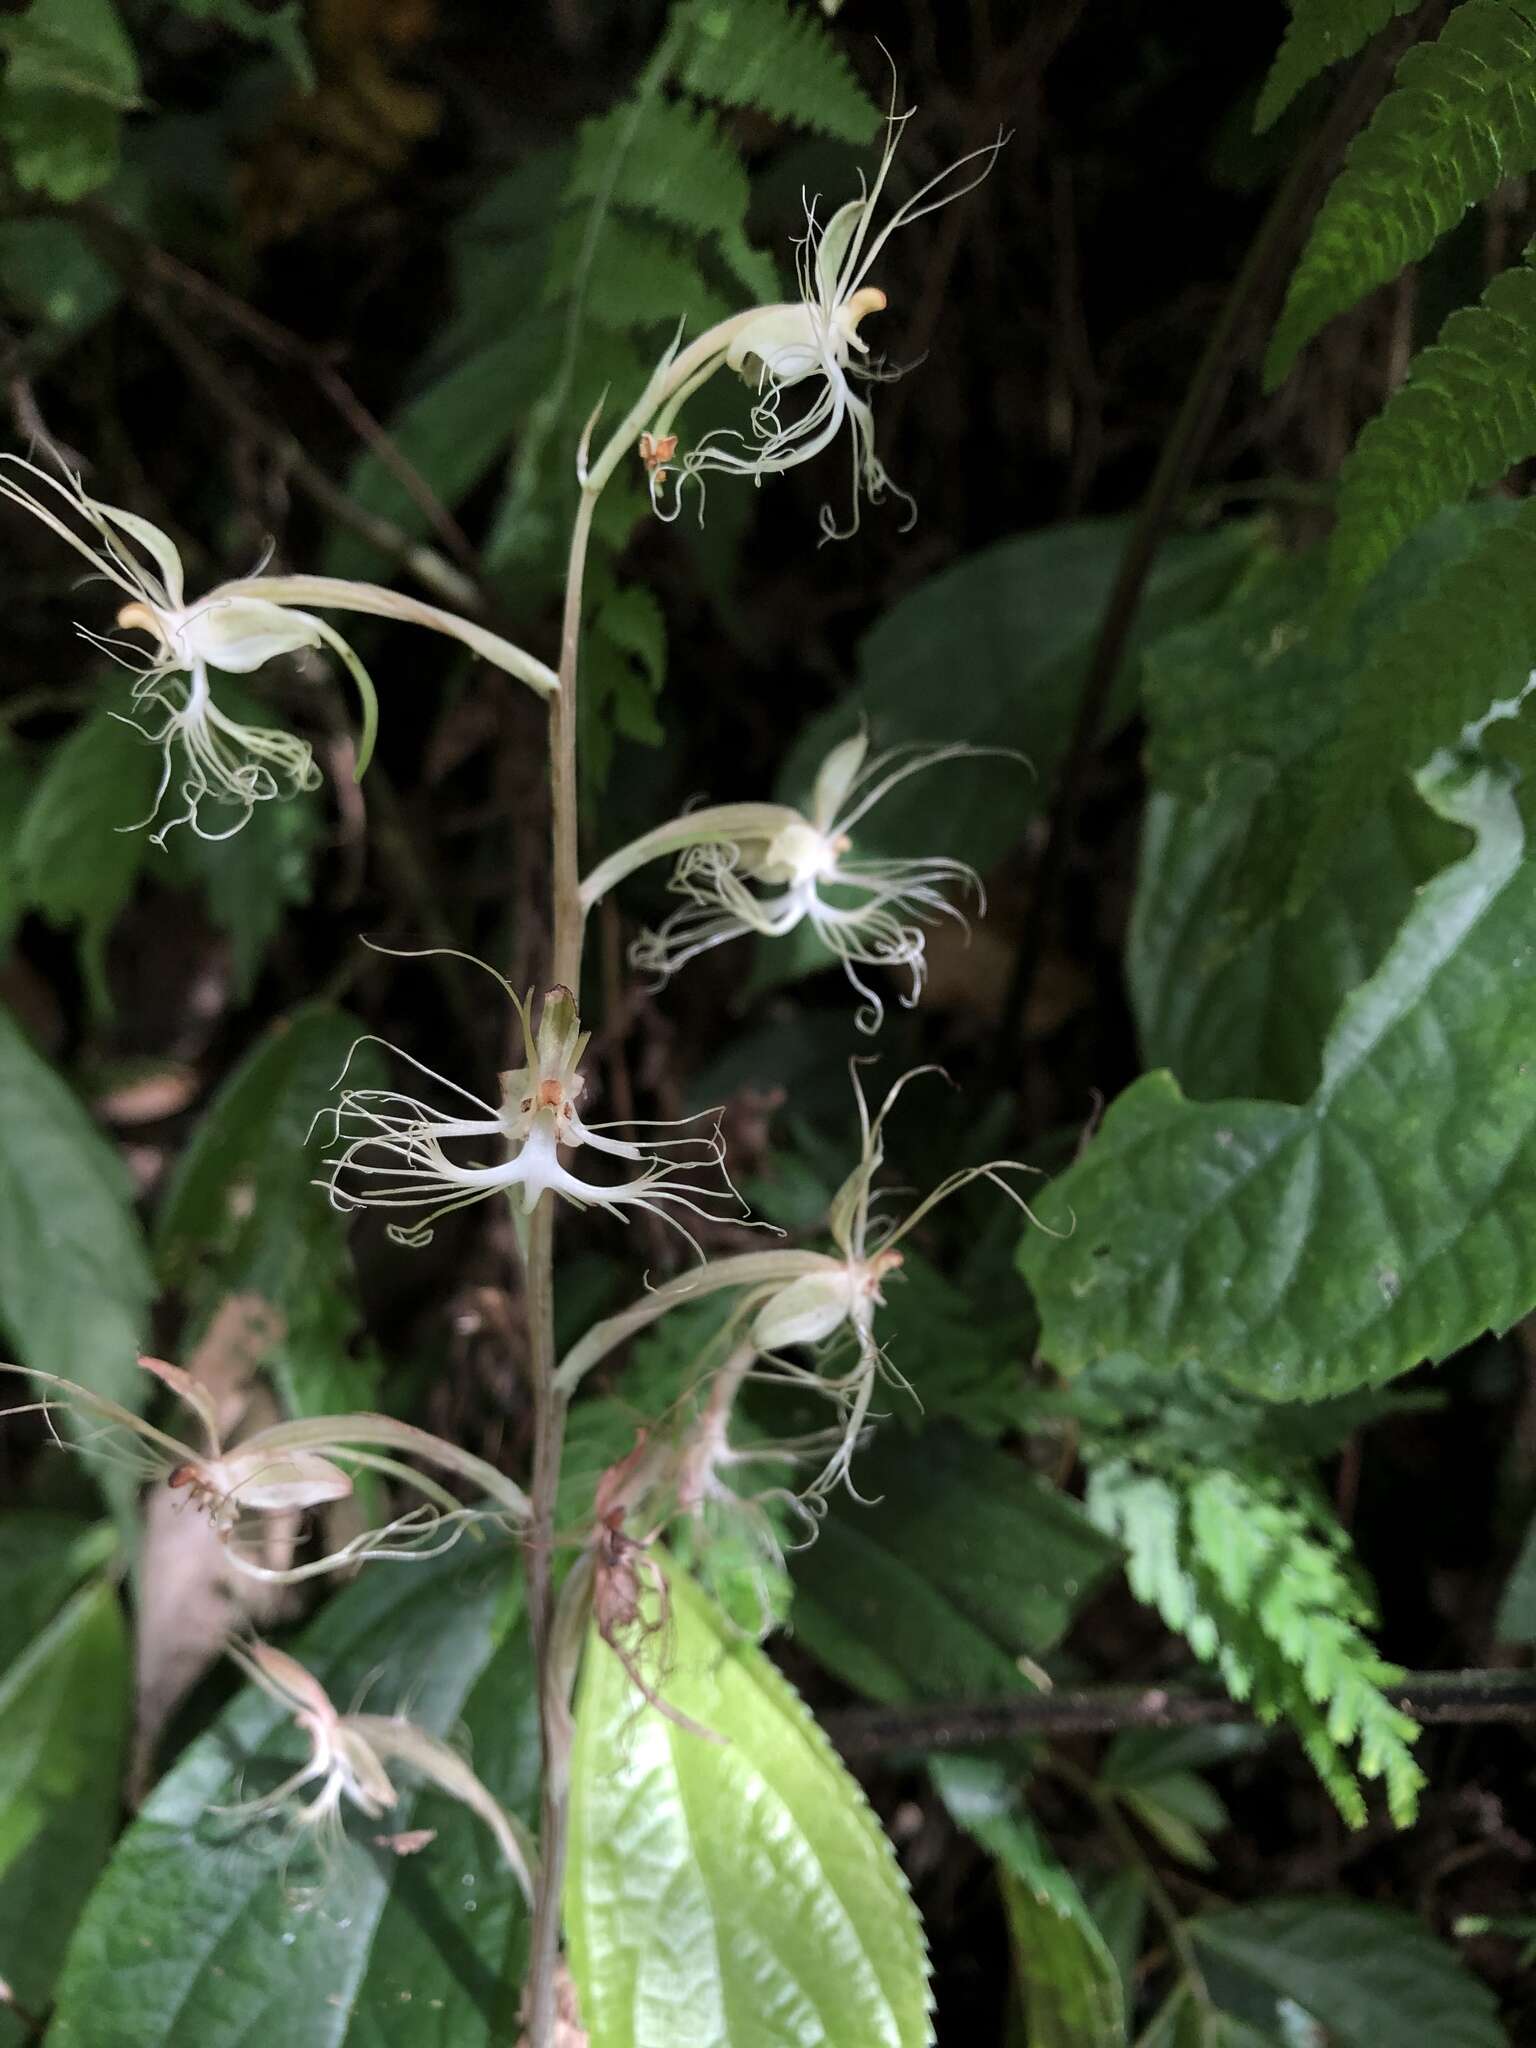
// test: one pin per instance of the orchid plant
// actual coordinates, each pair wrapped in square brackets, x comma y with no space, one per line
[423,1150]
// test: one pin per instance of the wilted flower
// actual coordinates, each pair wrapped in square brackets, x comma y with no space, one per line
[349,1756]
[394,1147]
[767,868]
[236,628]
[812,346]
[789,1300]
[287,1468]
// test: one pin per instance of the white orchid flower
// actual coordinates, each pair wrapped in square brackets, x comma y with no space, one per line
[811,347]
[394,1147]
[235,629]
[285,1469]
[768,868]
[349,1758]
[820,1301]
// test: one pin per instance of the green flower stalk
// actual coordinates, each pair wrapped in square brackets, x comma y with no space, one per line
[235,629]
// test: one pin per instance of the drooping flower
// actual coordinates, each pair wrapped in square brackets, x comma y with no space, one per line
[394,1147]
[235,629]
[823,1302]
[285,1469]
[811,347]
[350,1755]
[768,868]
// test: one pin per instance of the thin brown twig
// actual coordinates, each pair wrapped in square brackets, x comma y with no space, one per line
[864,1734]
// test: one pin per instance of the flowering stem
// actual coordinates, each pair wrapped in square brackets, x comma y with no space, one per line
[549,1398]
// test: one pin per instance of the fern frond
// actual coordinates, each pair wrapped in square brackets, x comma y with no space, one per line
[674,164]
[1461,117]
[642,277]
[1252,1572]
[1320,33]
[780,59]
[1462,647]
[1463,419]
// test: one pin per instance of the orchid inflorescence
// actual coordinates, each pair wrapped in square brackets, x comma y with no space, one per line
[808,1316]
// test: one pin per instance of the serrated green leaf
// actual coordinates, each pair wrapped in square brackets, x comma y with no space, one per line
[1070,1981]
[779,58]
[957,1564]
[992,651]
[242,1212]
[1235,1006]
[1460,118]
[76,860]
[643,277]
[1367,1974]
[75,1283]
[1320,33]
[70,75]
[64,1705]
[1306,1251]
[201,1936]
[735,1894]
[1464,417]
[43,1557]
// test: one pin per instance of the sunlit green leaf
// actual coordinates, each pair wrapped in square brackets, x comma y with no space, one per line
[732,1894]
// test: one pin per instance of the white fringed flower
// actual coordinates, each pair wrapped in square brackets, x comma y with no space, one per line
[349,1759]
[285,1470]
[812,348]
[806,1300]
[394,1148]
[234,630]
[767,868]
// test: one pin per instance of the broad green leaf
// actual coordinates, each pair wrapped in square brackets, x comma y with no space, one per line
[1307,1250]
[1069,1979]
[958,1563]
[43,1557]
[242,1212]
[991,651]
[1368,1975]
[64,1709]
[15,788]
[209,1932]
[75,1282]
[70,76]
[1236,1007]
[732,1894]
[76,858]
